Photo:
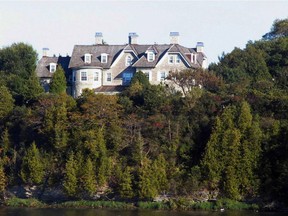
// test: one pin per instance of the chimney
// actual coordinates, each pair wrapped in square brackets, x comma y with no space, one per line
[174,37]
[133,38]
[98,38]
[200,47]
[45,52]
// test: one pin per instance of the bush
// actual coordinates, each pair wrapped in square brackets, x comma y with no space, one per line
[17,202]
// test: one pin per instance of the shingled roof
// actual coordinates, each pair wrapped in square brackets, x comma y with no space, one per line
[113,51]
[42,69]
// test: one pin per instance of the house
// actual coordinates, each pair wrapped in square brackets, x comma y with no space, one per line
[47,66]
[109,69]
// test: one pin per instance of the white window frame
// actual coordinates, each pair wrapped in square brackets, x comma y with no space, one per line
[83,76]
[178,59]
[52,67]
[171,57]
[161,73]
[96,76]
[150,56]
[128,60]
[104,58]
[87,58]
[109,77]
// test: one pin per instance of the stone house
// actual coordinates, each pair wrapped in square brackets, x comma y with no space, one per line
[109,68]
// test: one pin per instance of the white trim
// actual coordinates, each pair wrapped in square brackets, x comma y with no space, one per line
[104,56]
[152,55]
[82,72]
[126,60]
[87,58]
[52,67]
[110,77]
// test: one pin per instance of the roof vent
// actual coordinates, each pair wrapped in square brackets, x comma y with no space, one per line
[174,37]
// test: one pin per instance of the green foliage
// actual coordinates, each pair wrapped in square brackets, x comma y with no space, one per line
[4,142]
[32,89]
[17,202]
[58,83]
[3,179]
[70,180]
[32,170]
[278,29]
[88,179]
[125,185]
[6,102]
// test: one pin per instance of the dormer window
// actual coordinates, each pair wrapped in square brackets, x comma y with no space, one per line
[128,60]
[87,58]
[52,67]
[150,56]
[104,58]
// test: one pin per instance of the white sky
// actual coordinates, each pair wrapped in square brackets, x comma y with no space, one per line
[59,25]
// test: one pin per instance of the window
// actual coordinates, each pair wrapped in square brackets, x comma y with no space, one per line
[178,60]
[127,78]
[171,59]
[128,61]
[147,73]
[87,58]
[83,76]
[96,76]
[104,58]
[109,77]
[52,67]
[151,56]
[162,76]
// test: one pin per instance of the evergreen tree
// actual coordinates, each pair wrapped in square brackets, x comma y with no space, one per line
[125,184]
[159,170]
[70,176]
[58,83]
[147,180]
[6,102]
[32,170]
[88,179]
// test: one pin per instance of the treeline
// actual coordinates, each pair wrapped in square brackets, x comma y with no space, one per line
[223,130]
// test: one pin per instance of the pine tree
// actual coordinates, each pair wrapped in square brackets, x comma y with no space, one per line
[32,170]
[88,179]
[245,117]
[147,185]
[58,83]
[159,170]
[70,176]
[32,88]
[125,185]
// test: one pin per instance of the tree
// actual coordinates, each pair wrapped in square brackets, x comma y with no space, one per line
[278,29]
[32,88]
[70,176]
[58,83]
[3,180]
[32,170]
[88,178]
[5,142]
[6,102]
[125,184]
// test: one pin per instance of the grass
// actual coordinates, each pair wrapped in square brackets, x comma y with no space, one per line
[96,204]
[17,202]
[172,204]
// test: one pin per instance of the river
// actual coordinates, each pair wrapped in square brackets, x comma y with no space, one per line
[108,212]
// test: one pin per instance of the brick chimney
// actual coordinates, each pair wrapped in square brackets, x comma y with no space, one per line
[174,37]
[200,47]
[45,52]
[98,38]
[132,38]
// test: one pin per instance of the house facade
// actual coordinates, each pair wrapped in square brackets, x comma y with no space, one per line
[109,68]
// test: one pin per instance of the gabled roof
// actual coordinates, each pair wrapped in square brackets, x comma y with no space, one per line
[77,59]
[43,70]
[114,51]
